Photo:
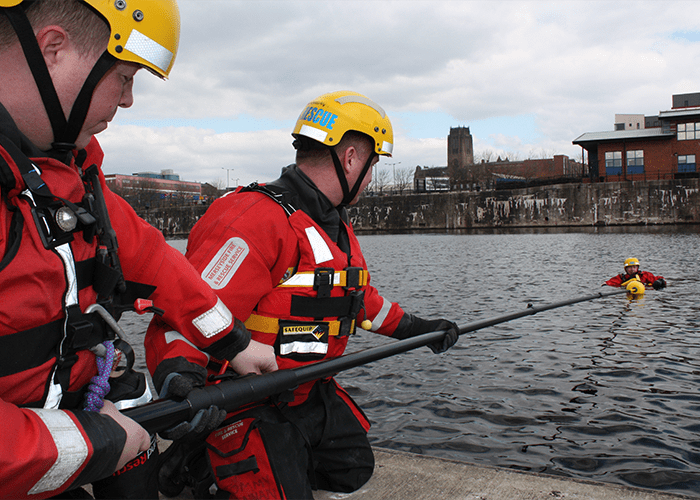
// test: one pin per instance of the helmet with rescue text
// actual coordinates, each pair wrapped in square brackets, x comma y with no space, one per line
[325,120]
[145,32]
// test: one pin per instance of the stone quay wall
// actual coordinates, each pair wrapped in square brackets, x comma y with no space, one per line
[565,205]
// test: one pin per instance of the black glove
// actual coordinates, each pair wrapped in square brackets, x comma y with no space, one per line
[659,284]
[411,325]
[180,385]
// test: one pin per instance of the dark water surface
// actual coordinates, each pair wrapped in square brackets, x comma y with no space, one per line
[607,390]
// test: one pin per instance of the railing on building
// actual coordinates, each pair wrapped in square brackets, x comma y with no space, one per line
[658,176]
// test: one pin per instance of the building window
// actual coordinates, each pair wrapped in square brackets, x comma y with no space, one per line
[688,131]
[686,163]
[613,163]
[635,162]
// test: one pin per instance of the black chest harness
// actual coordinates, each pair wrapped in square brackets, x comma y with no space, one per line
[58,221]
[345,308]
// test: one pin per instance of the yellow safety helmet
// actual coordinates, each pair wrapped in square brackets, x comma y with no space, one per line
[328,117]
[631,262]
[145,32]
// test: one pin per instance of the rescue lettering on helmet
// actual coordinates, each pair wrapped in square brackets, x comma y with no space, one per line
[319,116]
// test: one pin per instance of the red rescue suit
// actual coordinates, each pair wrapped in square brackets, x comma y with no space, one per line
[263,262]
[43,449]
[282,257]
[644,276]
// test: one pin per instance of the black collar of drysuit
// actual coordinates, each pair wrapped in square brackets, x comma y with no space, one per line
[308,198]
[9,129]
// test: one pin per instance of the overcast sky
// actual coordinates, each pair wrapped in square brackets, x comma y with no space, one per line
[527,78]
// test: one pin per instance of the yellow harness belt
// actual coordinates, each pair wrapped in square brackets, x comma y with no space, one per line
[272,325]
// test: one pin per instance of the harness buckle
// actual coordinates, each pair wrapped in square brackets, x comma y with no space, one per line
[352,277]
[80,334]
[348,323]
[323,281]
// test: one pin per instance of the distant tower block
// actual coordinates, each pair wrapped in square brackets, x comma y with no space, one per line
[460,148]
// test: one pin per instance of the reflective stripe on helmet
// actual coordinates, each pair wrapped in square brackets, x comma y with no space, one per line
[313,132]
[149,50]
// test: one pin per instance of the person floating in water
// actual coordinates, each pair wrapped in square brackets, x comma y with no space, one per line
[632,272]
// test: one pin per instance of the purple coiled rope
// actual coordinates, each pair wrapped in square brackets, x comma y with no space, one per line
[99,384]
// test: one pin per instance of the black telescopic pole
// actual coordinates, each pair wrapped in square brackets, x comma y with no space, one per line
[232,394]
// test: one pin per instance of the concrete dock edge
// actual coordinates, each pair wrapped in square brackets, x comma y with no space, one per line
[401,476]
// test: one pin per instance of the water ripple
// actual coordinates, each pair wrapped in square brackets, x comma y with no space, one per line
[607,390]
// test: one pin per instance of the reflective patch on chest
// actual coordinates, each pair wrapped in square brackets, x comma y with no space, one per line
[225,263]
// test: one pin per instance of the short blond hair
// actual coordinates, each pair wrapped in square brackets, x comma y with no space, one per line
[85,27]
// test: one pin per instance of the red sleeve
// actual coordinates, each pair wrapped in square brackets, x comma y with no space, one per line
[257,231]
[614,281]
[190,306]
[44,452]
[241,247]
[648,278]
[383,314]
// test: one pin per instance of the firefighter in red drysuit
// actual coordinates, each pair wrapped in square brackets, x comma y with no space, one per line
[72,252]
[284,256]
[632,272]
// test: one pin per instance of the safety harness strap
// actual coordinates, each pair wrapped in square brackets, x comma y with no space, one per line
[315,307]
[351,277]
[265,324]
[279,196]
[32,53]
[28,349]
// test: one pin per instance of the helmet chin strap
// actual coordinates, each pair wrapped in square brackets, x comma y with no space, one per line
[65,132]
[349,195]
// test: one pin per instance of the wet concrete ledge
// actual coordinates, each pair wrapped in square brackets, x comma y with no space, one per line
[407,476]
[401,476]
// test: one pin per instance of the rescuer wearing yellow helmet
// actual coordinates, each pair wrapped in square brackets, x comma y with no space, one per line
[74,256]
[284,256]
[635,280]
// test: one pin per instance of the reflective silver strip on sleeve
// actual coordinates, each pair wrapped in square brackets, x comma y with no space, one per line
[303,348]
[71,446]
[214,321]
[321,251]
[378,320]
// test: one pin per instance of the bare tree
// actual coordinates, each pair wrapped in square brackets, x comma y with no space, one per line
[219,184]
[381,180]
[484,156]
[403,179]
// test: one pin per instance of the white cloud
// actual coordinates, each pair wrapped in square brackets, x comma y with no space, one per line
[200,155]
[570,65]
